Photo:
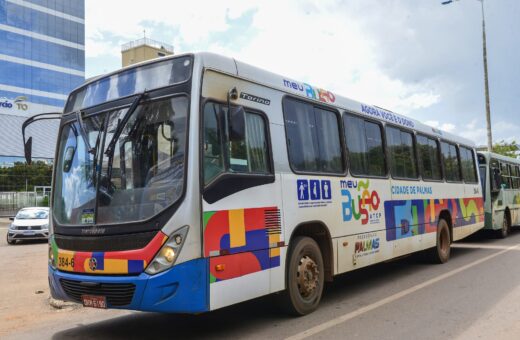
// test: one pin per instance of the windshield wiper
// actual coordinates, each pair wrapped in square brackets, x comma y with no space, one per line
[83,132]
[121,124]
[105,186]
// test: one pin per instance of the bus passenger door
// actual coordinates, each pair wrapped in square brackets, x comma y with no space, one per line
[241,201]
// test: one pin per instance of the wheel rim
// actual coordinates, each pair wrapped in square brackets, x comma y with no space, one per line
[307,276]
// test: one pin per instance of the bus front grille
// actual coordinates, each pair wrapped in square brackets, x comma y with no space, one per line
[117,294]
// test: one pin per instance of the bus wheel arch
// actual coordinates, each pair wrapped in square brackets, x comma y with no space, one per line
[320,233]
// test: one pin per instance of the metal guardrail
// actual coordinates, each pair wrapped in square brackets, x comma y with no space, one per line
[149,42]
[11,202]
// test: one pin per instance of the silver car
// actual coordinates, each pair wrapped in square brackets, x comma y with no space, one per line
[29,224]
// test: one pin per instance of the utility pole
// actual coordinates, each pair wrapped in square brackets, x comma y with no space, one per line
[486,81]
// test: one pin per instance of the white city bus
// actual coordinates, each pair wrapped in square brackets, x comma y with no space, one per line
[195,182]
[500,176]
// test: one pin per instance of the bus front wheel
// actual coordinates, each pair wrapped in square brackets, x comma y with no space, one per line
[304,277]
[441,252]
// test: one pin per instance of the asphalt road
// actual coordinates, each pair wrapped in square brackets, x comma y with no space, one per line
[475,295]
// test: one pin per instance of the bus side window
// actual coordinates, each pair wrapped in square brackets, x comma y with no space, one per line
[402,153]
[246,154]
[429,160]
[256,144]
[469,170]
[516,179]
[365,146]
[451,163]
[249,155]
[313,138]
[505,176]
[495,178]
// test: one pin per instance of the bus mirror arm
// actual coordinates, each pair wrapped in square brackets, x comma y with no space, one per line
[27,143]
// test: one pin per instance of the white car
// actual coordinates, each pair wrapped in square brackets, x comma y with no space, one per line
[29,224]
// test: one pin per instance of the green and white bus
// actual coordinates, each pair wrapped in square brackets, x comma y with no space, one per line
[500,177]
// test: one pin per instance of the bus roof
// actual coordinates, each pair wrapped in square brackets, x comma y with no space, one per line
[500,157]
[252,73]
[298,88]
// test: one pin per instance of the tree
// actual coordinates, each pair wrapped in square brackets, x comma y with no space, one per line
[22,176]
[507,149]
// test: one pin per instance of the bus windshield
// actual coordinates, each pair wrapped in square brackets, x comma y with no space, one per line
[140,176]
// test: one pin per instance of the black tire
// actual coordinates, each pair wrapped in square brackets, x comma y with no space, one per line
[441,252]
[305,277]
[11,242]
[504,231]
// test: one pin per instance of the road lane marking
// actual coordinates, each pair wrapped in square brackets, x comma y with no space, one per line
[479,246]
[351,315]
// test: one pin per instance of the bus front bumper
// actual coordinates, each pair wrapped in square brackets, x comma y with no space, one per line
[184,288]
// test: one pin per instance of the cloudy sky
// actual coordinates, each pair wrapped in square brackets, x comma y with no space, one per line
[418,58]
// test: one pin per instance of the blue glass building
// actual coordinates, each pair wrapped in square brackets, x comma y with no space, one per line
[42,58]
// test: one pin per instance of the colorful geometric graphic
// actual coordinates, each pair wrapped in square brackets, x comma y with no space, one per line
[241,241]
[407,218]
[115,262]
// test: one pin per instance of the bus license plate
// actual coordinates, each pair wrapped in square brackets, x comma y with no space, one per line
[94,301]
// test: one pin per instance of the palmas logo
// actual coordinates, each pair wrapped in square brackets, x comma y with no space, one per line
[359,202]
[370,245]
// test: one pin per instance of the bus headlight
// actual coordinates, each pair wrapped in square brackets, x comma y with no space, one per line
[52,260]
[166,257]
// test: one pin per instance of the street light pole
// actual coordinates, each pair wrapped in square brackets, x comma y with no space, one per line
[486,82]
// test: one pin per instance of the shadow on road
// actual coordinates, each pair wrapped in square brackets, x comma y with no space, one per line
[261,318]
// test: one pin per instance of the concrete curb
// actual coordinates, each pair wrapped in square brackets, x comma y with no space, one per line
[60,304]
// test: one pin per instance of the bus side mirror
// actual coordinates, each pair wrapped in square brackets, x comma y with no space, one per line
[237,124]
[27,148]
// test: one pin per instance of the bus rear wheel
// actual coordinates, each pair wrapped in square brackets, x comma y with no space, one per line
[304,277]
[441,252]
[504,231]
